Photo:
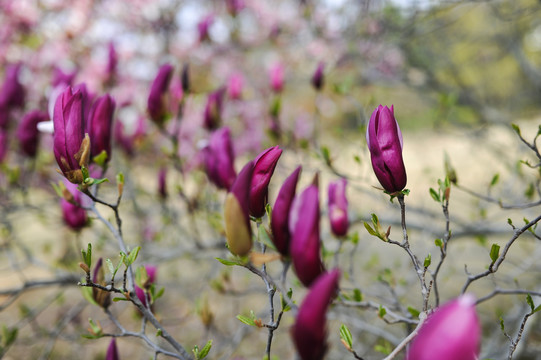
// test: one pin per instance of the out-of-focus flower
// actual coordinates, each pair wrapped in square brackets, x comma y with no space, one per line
[219,159]
[338,207]
[310,330]
[112,351]
[280,213]
[264,165]
[234,6]
[238,231]
[101,297]
[213,110]
[185,78]
[112,62]
[12,94]
[73,213]
[451,332]
[71,146]
[158,96]
[101,125]
[63,78]
[128,141]
[304,228]
[28,134]
[276,76]
[235,85]
[318,79]
[3,144]
[162,183]
[151,271]
[203,27]
[384,140]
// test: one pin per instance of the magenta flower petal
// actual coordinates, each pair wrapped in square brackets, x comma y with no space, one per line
[112,351]
[265,163]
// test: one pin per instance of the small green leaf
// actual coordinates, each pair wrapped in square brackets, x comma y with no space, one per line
[245,319]
[357,295]
[205,350]
[435,195]
[355,238]
[438,243]
[264,237]
[101,158]
[325,152]
[87,255]
[382,312]
[529,300]
[228,262]
[87,294]
[414,312]
[345,335]
[9,335]
[133,255]
[370,230]
[117,299]
[509,221]
[495,179]
[120,178]
[502,326]
[110,266]
[357,159]
[516,128]
[494,252]
[159,333]
[428,261]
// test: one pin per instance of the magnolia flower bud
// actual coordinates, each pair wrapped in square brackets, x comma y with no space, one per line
[71,146]
[304,228]
[112,351]
[28,134]
[151,271]
[219,159]
[74,215]
[238,231]
[100,296]
[112,62]
[203,27]
[338,207]
[451,332]
[280,213]
[264,165]
[235,85]
[101,125]
[276,76]
[318,78]
[12,94]
[157,99]
[384,140]
[310,332]
[162,183]
[213,110]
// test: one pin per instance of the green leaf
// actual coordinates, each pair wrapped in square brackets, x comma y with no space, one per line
[87,294]
[357,159]
[205,350]
[428,260]
[159,332]
[355,238]
[357,295]
[264,237]
[370,230]
[120,178]
[414,312]
[494,252]
[438,243]
[87,255]
[516,128]
[110,266]
[228,262]
[245,319]
[133,255]
[435,195]
[502,326]
[345,335]
[495,179]
[529,300]
[325,152]
[9,335]
[101,158]
[117,299]
[382,312]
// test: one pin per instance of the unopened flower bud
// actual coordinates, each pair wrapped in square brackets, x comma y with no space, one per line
[384,140]
[73,213]
[158,97]
[237,220]
[112,351]
[318,79]
[338,207]
[28,134]
[213,110]
[264,165]
[101,125]
[451,332]
[219,159]
[276,76]
[102,297]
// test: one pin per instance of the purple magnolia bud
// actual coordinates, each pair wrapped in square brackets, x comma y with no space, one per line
[305,243]
[219,159]
[112,62]
[264,165]
[162,183]
[63,78]
[151,272]
[101,297]
[238,231]
[318,79]
[203,27]
[157,99]
[112,351]
[3,144]
[101,125]
[71,146]
[310,330]
[12,94]
[235,85]
[28,134]
[338,207]
[234,6]
[213,110]
[185,78]
[73,213]
[451,332]
[276,76]
[384,140]
[280,213]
